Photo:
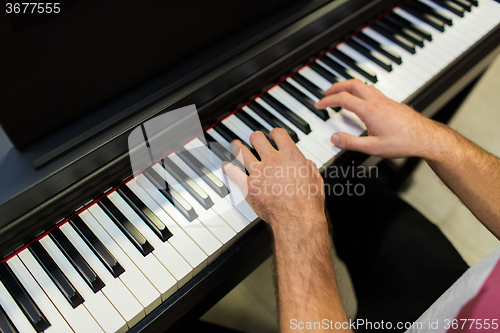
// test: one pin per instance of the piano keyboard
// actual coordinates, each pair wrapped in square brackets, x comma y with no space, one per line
[117,260]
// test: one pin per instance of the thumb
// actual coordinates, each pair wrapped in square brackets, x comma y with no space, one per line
[364,144]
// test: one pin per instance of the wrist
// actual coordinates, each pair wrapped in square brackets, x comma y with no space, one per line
[438,143]
[291,230]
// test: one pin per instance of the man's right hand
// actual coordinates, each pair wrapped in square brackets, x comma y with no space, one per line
[394,129]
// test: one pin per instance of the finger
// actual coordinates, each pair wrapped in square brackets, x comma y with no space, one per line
[282,139]
[236,175]
[347,101]
[365,144]
[261,144]
[243,154]
[355,87]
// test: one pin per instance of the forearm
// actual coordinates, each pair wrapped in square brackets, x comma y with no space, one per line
[306,279]
[470,172]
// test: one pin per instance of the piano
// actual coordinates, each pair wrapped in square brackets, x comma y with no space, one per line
[87,246]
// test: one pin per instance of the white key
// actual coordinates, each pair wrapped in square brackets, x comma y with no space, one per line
[114,290]
[222,206]
[152,269]
[13,311]
[197,231]
[180,241]
[78,318]
[57,322]
[163,251]
[213,222]
[96,303]
[135,281]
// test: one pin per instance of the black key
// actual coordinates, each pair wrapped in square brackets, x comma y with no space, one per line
[126,226]
[304,100]
[273,121]
[55,274]
[23,299]
[346,73]
[475,3]
[202,171]
[96,246]
[251,122]
[6,326]
[201,196]
[229,136]
[451,6]
[145,213]
[367,73]
[312,88]
[396,19]
[382,49]
[396,38]
[224,154]
[254,125]
[75,258]
[325,73]
[427,18]
[370,54]
[464,4]
[431,11]
[287,113]
[221,152]
[175,198]
[406,33]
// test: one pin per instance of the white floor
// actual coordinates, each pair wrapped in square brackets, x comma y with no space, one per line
[251,306]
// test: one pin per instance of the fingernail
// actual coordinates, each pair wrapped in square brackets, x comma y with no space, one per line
[335,139]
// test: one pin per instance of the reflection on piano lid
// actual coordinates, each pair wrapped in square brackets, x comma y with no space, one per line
[118,259]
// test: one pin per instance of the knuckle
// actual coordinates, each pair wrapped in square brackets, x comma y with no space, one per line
[342,97]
